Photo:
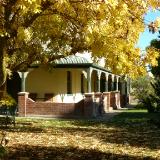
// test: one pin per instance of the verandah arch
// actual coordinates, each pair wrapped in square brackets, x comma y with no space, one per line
[109,82]
[115,83]
[94,81]
[119,85]
[102,82]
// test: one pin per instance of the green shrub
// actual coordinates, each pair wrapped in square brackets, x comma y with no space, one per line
[149,104]
[140,106]
[2,151]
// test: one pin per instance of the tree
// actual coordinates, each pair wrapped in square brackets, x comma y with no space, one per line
[45,30]
[155,44]
[147,89]
[142,87]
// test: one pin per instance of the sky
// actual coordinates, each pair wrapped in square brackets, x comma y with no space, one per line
[146,36]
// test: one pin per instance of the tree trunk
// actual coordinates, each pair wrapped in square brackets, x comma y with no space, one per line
[3,73]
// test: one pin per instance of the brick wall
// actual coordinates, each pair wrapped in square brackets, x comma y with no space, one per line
[48,109]
[89,106]
[93,105]
[28,107]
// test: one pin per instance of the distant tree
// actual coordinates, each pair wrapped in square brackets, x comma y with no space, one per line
[141,87]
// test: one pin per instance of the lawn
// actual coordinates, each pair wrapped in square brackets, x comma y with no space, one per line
[129,135]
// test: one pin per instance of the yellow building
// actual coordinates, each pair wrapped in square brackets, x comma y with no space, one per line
[65,81]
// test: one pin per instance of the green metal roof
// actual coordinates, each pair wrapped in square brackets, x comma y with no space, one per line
[72,60]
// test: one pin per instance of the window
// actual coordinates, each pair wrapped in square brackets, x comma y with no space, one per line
[48,97]
[82,83]
[69,82]
[33,96]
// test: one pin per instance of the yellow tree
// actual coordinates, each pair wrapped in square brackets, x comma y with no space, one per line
[48,29]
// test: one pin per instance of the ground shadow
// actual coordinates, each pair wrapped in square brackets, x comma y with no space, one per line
[132,129]
[26,152]
[22,127]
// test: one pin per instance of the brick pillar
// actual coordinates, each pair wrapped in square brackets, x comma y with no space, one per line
[123,100]
[89,107]
[99,107]
[117,99]
[22,103]
[106,101]
[113,100]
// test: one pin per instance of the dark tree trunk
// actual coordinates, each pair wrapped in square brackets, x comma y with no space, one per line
[3,73]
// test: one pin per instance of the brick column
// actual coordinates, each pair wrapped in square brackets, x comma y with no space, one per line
[106,101]
[89,107]
[99,107]
[22,103]
[113,100]
[117,99]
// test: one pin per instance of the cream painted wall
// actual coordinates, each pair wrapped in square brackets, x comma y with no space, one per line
[42,81]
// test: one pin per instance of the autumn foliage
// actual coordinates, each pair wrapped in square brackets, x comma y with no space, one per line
[44,30]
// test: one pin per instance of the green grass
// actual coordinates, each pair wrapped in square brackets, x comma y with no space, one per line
[129,135]
[134,115]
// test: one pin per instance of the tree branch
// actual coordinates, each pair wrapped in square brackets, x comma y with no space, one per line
[31,18]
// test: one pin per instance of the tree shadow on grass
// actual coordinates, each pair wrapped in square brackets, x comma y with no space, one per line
[119,120]
[132,129]
[144,139]
[22,127]
[26,152]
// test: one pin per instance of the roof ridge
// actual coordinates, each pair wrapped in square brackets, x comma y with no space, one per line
[73,59]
